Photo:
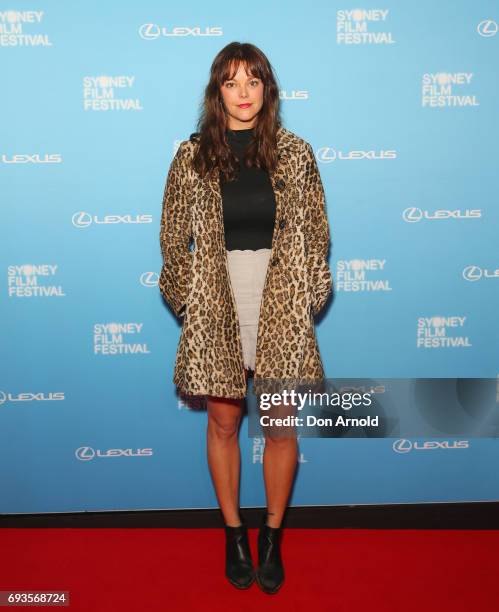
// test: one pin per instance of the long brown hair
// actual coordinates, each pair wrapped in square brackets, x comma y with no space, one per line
[214,151]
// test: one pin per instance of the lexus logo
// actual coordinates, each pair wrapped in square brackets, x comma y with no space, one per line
[402,446]
[472,273]
[149,31]
[85,453]
[81,219]
[149,279]
[412,215]
[487,28]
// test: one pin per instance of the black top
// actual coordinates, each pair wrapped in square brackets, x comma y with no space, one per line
[248,202]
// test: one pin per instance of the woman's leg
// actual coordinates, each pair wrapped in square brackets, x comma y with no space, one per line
[279,465]
[280,458]
[224,458]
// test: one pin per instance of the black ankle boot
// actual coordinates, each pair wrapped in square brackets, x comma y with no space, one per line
[270,572]
[238,563]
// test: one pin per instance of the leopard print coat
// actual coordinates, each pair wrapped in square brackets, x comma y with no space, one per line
[195,281]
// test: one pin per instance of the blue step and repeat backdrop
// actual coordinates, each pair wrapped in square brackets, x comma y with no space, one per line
[399,101]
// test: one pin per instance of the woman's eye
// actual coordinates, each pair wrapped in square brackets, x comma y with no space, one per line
[254,83]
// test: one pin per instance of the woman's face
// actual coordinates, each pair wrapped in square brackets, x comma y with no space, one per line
[243,98]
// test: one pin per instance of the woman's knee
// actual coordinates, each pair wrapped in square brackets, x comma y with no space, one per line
[281,437]
[224,417]
[223,428]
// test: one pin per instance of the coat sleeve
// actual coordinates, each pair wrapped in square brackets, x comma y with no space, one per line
[175,233]
[317,234]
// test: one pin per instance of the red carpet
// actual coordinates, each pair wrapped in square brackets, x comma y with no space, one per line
[172,569]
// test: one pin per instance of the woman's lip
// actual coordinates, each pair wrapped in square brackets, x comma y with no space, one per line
[244,105]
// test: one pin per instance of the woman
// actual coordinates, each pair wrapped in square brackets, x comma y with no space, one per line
[246,194]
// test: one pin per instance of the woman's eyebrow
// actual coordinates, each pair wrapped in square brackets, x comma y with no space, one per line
[250,77]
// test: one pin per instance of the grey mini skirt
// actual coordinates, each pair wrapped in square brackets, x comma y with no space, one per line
[247,272]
